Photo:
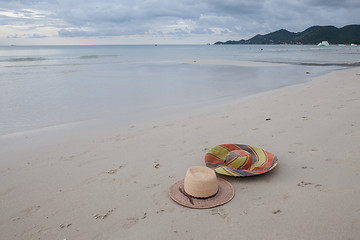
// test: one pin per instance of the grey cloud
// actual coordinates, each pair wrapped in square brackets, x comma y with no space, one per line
[334,3]
[13,36]
[127,17]
[144,12]
[148,15]
[74,33]
[36,35]
[237,8]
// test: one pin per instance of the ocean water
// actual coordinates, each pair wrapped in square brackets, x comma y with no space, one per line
[42,86]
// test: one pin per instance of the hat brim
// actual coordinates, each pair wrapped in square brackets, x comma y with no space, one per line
[225,194]
[262,161]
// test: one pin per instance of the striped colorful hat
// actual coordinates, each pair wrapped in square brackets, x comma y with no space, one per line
[240,160]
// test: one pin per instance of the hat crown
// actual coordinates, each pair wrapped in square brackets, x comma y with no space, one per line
[200,182]
[238,159]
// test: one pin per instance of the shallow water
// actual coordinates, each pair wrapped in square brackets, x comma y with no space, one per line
[47,86]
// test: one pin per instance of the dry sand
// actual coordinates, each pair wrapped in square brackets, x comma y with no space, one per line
[57,184]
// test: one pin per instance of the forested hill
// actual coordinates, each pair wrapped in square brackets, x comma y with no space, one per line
[313,35]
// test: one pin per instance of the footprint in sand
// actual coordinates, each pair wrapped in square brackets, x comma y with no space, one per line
[277,211]
[153,185]
[103,216]
[156,165]
[26,212]
[303,184]
[113,171]
[65,225]
[130,221]
[306,167]
[316,186]
[222,213]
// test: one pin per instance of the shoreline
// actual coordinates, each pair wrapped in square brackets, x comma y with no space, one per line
[113,184]
[261,70]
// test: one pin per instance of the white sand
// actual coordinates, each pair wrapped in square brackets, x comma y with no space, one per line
[234,63]
[57,184]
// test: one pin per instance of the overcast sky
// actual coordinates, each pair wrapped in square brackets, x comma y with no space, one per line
[163,21]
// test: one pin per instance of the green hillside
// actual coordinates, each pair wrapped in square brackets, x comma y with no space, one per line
[313,35]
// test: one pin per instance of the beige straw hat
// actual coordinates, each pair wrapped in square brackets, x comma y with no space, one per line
[201,189]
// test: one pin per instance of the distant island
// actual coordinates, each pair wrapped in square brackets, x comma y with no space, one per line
[313,35]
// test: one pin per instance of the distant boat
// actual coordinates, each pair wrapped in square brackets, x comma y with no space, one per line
[353,45]
[324,43]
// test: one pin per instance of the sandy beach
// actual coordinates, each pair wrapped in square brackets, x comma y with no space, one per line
[69,183]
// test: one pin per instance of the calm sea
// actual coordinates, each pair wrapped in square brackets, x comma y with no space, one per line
[43,86]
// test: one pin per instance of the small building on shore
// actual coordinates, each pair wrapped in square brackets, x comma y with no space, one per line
[324,43]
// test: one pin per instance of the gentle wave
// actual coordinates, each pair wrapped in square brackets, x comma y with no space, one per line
[355,64]
[340,64]
[26,59]
[98,56]
[35,59]
[356,53]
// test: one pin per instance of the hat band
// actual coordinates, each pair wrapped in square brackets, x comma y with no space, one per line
[190,197]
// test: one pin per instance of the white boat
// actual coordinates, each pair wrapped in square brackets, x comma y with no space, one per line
[353,45]
[324,43]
